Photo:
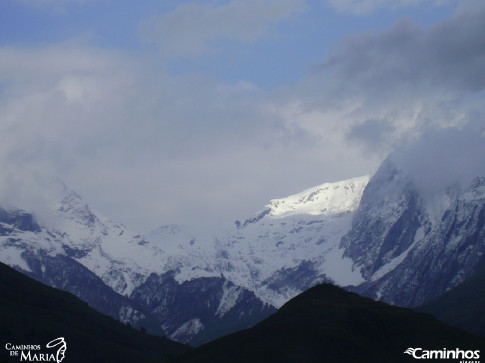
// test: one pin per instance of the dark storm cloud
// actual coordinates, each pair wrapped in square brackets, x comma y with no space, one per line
[448,157]
[372,133]
[390,87]
[451,54]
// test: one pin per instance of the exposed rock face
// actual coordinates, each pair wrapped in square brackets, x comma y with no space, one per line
[412,247]
[382,237]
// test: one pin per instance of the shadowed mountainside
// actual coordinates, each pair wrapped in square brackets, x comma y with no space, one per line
[328,324]
[33,313]
[462,306]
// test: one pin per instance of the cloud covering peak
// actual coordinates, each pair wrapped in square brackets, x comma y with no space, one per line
[449,157]
[192,135]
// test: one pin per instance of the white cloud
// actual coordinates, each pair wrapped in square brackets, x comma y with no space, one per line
[195,28]
[401,82]
[453,156]
[148,148]
[144,147]
[382,91]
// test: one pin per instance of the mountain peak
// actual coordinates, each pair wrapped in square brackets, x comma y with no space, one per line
[328,199]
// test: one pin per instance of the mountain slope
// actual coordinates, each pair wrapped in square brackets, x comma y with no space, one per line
[385,238]
[117,272]
[462,306]
[33,313]
[201,309]
[45,255]
[286,248]
[412,246]
[328,324]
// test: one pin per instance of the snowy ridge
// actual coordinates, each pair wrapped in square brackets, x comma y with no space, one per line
[302,229]
[188,329]
[379,237]
[329,199]
[121,273]
[412,247]
[12,256]
[108,249]
[230,296]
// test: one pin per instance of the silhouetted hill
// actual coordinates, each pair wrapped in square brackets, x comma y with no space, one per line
[328,324]
[463,306]
[34,314]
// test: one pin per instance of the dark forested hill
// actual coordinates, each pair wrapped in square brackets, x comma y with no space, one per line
[328,324]
[34,314]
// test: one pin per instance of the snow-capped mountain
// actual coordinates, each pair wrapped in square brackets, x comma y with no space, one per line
[51,256]
[120,274]
[381,236]
[292,244]
[412,247]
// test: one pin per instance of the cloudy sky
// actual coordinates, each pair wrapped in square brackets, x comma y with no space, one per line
[199,112]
